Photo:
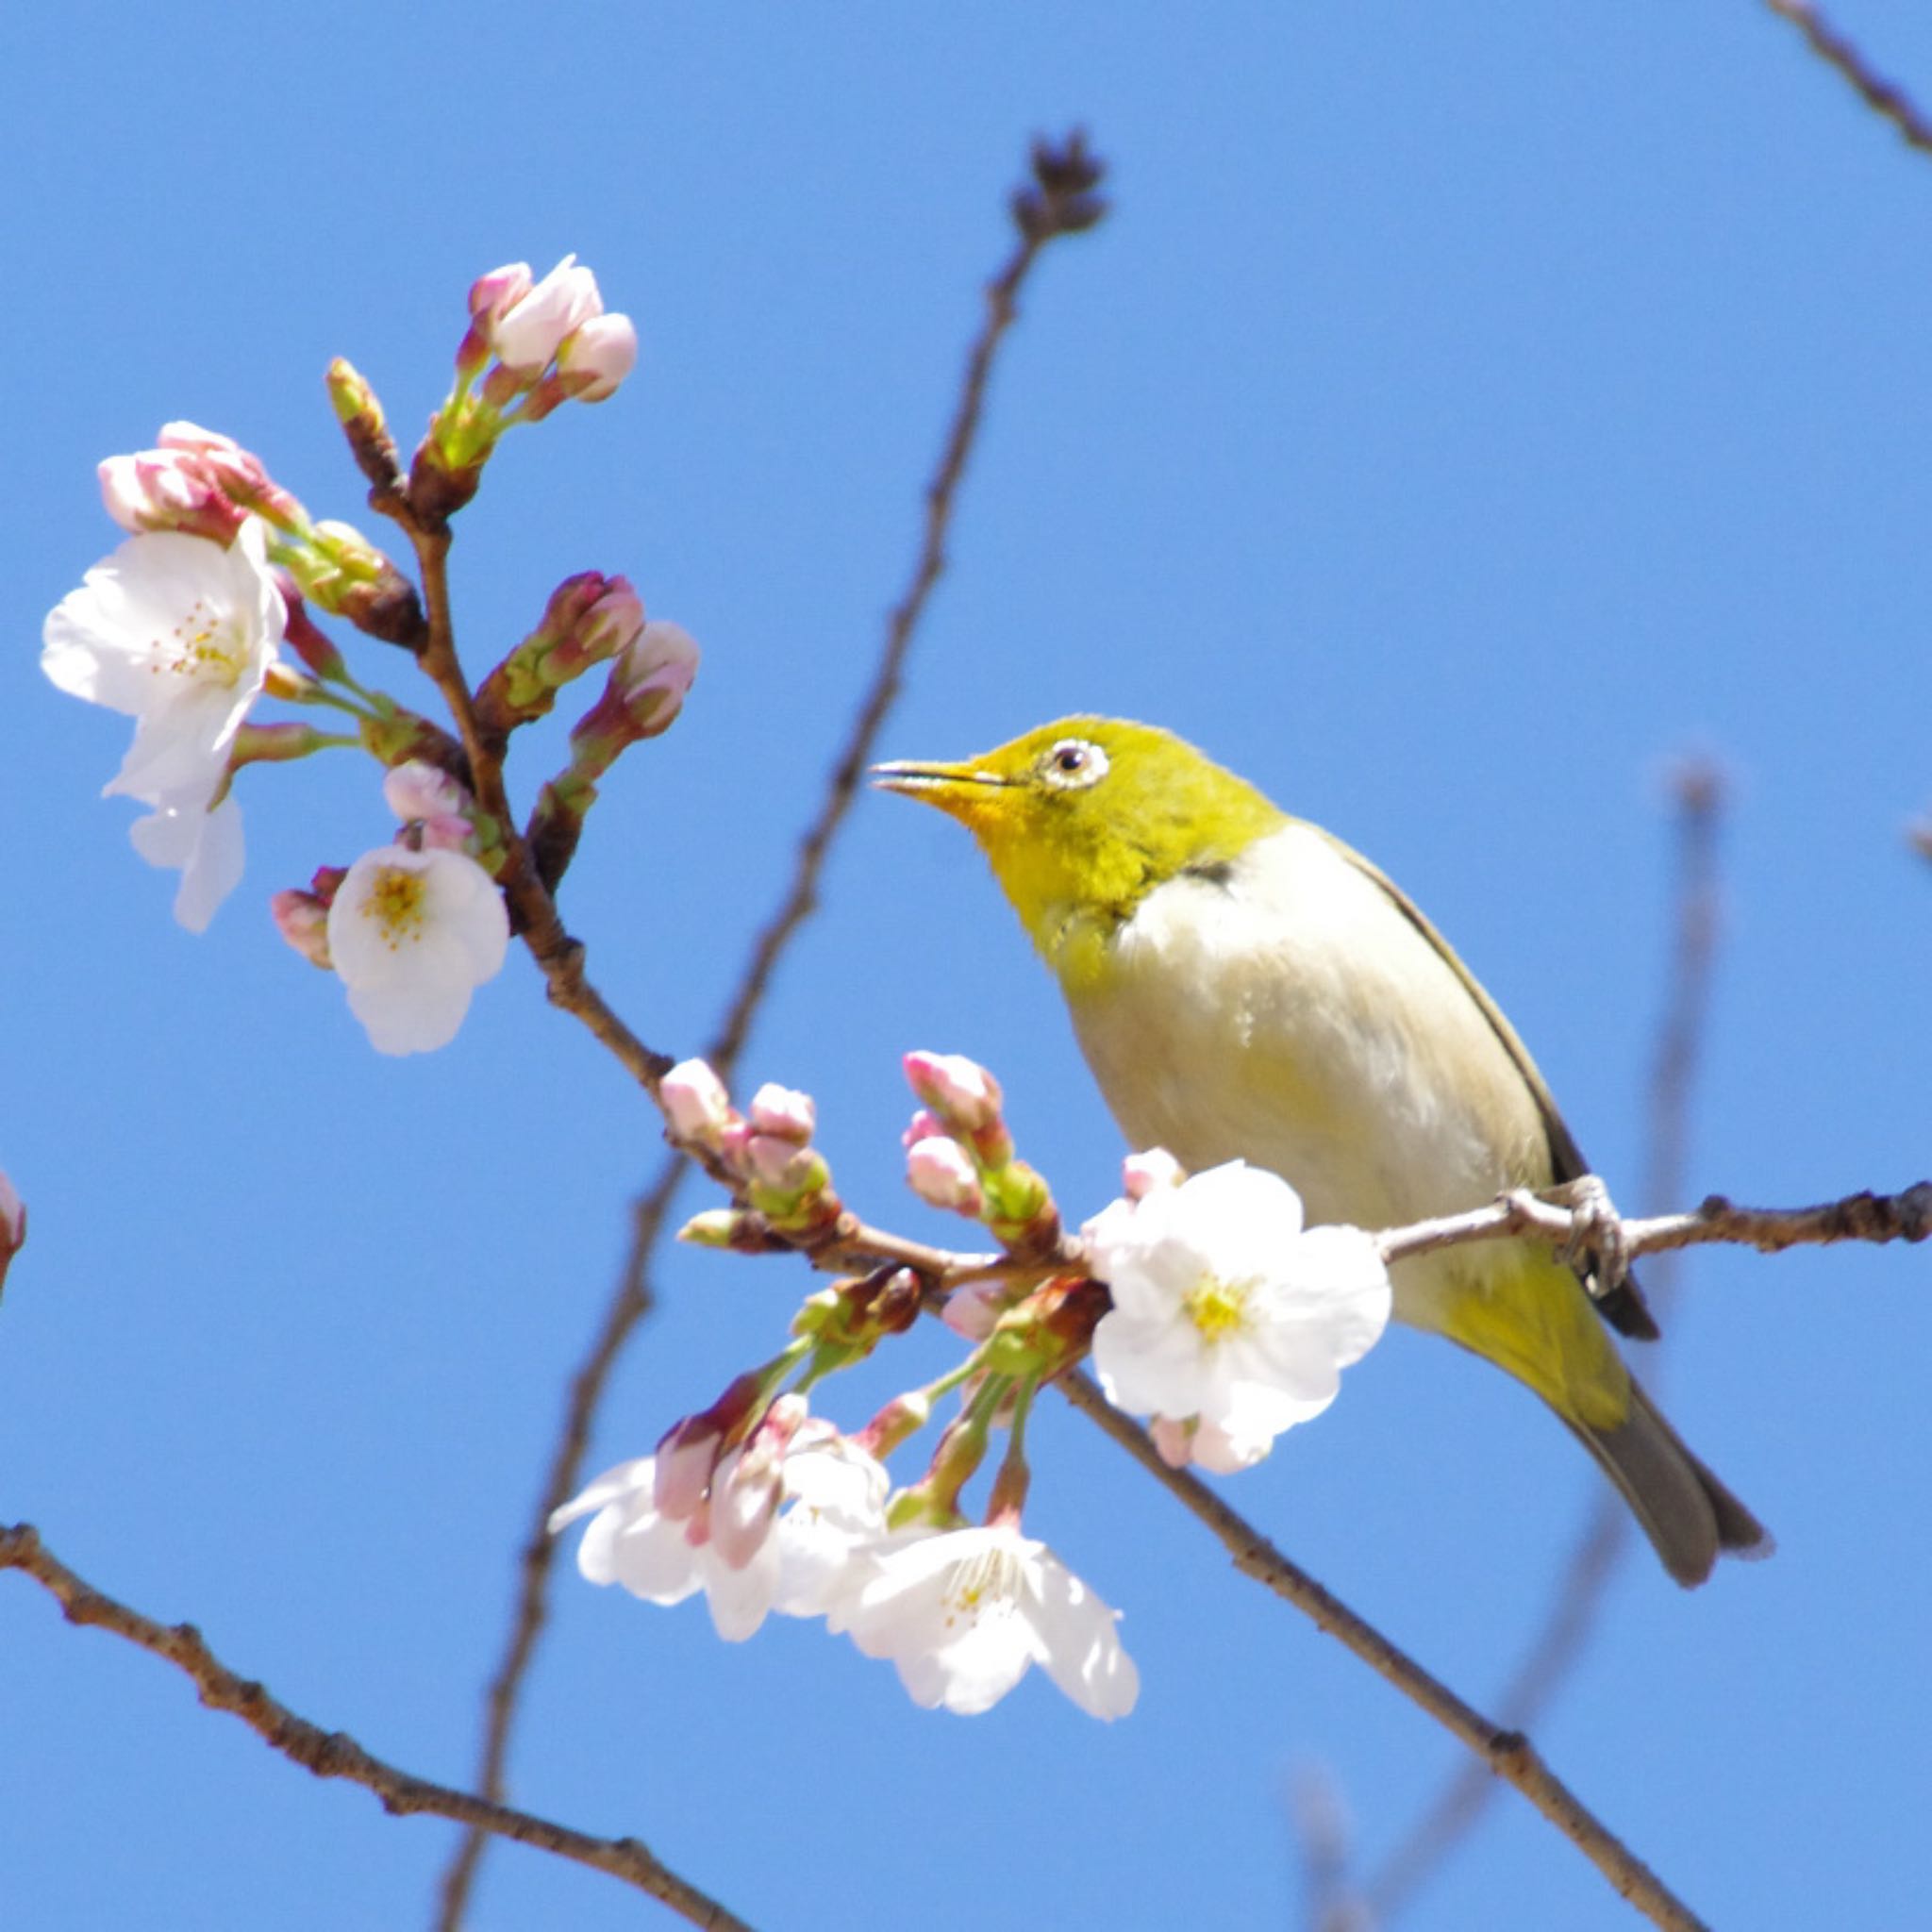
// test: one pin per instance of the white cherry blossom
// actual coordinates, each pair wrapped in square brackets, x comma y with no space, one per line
[178,632]
[963,1613]
[1227,1315]
[412,935]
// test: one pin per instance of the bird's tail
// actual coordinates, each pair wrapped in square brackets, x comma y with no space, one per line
[1688,1514]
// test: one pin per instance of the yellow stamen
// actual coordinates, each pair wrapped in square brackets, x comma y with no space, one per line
[394,901]
[1218,1307]
[206,645]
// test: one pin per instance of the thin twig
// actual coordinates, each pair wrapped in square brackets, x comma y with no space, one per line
[1571,1614]
[1060,201]
[333,1754]
[1507,1753]
[1881,95]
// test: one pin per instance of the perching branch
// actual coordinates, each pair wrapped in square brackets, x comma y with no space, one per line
[1509,1753]
[1863,1217]
[1881,95]
[1059,200]
[333,1754]
[1571,1614]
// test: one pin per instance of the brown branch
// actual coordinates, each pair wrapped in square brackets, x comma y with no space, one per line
[1060,201]
[1507,1753]
[333,1754]
[1570,1617]
[1863,1217]
[1882,96]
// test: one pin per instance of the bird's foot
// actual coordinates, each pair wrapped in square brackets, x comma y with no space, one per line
[1596,1233]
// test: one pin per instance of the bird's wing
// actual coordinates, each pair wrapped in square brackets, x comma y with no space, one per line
[1624,1306]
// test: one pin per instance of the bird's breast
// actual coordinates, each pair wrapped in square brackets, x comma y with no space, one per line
[1285,1010]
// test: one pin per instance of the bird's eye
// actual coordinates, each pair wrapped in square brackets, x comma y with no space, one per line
[1073,764]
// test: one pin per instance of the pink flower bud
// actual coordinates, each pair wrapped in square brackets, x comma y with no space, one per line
[924,1126]
[446,834]
[973,1311]
[652,677]
[595,357]
[687,1455]
[302,919]
[528,331]
[695,1103]
[783,1113]
[12,1226]
[779,1164]
[612,624]
[494,294]
[1144,1174]
[416,790]
[239,472]
[326,881]
[941,1173]
[168,490]
[964,1095]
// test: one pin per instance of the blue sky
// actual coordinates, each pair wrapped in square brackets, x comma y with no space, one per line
[1464,413]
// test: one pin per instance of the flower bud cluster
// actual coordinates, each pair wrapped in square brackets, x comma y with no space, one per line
[530,345]
[767,1155]
[959,1155]
[589,618]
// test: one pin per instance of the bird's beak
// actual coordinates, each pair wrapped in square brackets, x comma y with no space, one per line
[959,789]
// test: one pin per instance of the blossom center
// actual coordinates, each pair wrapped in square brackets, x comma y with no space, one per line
[1218,1307]
[207,645]
[990,1582]
[394,902]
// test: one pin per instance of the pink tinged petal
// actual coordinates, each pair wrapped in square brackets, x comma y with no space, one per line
[490,294]
[528,334]
[686,1456]
[960,1091]
[973,1313]
[744,1505]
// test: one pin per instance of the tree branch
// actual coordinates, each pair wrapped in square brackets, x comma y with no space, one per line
[333,1754]
[1059,200]
[1882,96]
[1509,1753]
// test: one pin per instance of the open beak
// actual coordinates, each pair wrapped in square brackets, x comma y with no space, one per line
[954,787]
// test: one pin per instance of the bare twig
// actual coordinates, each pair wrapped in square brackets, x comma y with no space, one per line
[1509,1753]
[1059,200]
[1604,1535]
[332,1754]
[1881,95]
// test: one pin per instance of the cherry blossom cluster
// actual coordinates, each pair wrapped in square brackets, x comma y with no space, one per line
[204,612]
[1203,1300]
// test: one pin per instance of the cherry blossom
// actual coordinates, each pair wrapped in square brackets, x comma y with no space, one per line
[963,1613]
[1227,1315]
[412,935]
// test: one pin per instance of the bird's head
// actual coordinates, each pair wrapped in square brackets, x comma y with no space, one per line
[1082,818]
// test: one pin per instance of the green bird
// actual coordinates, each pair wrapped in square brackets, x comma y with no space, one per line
[1244,986]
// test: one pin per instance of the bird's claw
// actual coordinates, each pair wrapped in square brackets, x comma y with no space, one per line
[1596,1233]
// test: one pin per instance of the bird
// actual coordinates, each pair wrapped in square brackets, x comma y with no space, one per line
[1244,986]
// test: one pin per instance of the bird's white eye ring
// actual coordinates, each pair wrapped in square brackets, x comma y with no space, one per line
[1073,764]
